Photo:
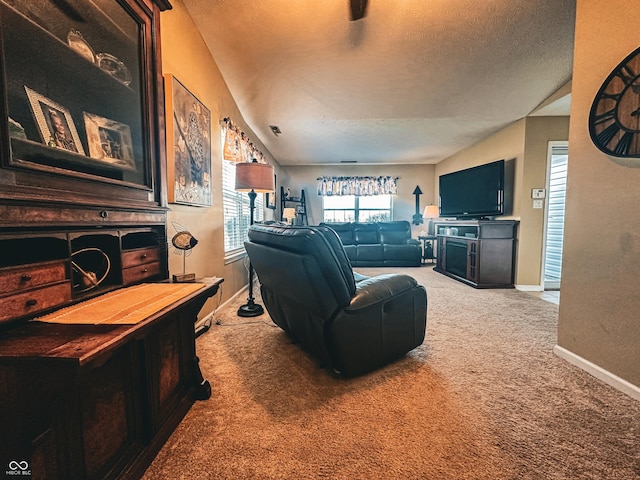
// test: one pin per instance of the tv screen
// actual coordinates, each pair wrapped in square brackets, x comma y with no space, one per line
[474,192]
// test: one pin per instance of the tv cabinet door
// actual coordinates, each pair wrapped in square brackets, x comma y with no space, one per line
[472,261]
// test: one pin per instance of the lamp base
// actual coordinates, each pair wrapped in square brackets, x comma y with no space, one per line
[250,309]
[185,278]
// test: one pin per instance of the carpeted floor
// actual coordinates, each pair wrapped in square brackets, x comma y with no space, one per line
[483,398]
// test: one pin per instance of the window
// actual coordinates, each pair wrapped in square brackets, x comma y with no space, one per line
[351,208]
[236,210]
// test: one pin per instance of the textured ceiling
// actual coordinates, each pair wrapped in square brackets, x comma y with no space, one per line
[412,82]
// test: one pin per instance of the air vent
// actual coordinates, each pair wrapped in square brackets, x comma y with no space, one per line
[275,129]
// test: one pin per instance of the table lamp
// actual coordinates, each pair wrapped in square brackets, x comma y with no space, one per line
[430,211]
[289,214]
[254,178]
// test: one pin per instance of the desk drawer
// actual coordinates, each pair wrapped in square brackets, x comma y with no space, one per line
[139,256]
[140,272]
[30,302]
[13,279]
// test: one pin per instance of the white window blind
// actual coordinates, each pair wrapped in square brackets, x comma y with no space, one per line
[236,210]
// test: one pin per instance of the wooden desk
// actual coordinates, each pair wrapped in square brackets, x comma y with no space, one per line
[99,400]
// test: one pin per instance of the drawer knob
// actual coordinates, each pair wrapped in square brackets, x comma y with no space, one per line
[104,213]
[25,277]
[144,270]
[31,302]
[143,256]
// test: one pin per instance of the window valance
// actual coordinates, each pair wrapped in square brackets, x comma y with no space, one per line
[237,146]
[359,186]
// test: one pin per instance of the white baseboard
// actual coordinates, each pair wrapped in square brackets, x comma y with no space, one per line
[530,288]
[600,373]
[242,291]
[209,317]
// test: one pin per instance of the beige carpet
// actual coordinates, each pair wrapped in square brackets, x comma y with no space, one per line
[483,398]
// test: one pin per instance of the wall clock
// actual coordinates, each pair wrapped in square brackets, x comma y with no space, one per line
[614,120]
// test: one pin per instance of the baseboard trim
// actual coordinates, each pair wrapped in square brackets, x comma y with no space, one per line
[600,373]
[530,288]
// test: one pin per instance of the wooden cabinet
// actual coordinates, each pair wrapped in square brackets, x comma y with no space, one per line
[82,215]
[480,253]
[98,401]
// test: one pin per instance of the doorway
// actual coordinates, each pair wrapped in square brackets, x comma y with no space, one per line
[558,160]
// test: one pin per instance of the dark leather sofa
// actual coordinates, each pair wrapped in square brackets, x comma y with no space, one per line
[309,289]
[379,244]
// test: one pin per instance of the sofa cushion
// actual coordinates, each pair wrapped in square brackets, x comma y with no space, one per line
[369,253]
[366,233]
[412,253]
[344,231]
[395,233]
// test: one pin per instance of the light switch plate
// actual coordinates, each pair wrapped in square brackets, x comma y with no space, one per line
[538,193]
[538,203]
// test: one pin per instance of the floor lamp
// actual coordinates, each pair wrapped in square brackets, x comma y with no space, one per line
[253,177]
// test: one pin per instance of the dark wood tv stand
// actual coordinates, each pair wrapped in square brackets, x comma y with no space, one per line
[479,253]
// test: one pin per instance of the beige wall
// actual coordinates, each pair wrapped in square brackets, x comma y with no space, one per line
[600,303]
[404,206]
[539,132]
[185,56]
[523,145]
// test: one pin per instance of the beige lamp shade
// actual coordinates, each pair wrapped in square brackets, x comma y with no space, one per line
[254,176]
[431,211]
[289,213]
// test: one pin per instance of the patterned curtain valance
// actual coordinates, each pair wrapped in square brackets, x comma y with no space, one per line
[359,186]
[237,146]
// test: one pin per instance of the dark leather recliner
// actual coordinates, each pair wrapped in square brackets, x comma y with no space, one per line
[309,289]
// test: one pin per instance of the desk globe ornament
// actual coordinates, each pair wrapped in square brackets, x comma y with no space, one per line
[90,267]
[183,242]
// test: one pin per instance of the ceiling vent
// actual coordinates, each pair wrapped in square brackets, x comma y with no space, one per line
[275,129]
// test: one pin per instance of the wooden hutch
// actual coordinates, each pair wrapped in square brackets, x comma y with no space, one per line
[83,216]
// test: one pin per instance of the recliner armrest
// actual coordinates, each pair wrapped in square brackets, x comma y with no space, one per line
[413,241]
[379,288]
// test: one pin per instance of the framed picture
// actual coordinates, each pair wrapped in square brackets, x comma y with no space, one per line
[188,146]
[109,141]
[54,123]
[271,196]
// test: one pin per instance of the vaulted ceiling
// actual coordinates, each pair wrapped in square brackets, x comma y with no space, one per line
[414,81]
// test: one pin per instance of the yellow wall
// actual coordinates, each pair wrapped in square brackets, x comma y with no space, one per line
[185,56]
[600,303]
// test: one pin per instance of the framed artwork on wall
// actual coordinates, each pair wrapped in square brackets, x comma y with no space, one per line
[188,127]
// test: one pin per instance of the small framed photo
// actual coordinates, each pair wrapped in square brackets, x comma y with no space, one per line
[54,123]
[109,141]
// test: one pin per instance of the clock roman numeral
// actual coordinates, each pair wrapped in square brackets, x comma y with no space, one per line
[626,74]
[604,117]
[612,96]
[623,146]
[605,136]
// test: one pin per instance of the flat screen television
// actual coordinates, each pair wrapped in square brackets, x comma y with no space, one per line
[476,192]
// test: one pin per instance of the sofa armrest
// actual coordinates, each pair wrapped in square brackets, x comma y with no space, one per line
[379,289]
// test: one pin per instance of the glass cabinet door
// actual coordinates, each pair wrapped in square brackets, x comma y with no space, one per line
[77,86]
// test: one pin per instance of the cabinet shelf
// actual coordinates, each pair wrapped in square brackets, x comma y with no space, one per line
[479,253]
[300,204]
